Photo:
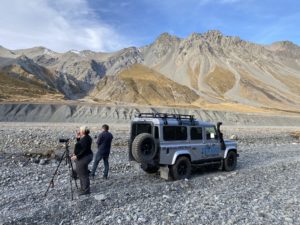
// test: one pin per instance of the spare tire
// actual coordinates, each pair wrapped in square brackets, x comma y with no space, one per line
[144,148]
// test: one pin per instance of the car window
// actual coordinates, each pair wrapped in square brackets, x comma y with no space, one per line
[174,133]
[196,133]
[156,134]
[138,128]
[211,133]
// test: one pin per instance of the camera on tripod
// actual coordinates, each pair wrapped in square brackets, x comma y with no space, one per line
[64,140]
[65,156]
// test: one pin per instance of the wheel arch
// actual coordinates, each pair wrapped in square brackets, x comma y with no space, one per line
[229,150]
[180,153]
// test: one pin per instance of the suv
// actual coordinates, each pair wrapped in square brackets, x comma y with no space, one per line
[171,143]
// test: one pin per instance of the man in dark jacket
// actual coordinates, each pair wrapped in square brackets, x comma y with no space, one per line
[83,155]
[104,144]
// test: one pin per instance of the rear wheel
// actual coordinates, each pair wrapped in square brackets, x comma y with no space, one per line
[181,169]
[230,161]
[144,148]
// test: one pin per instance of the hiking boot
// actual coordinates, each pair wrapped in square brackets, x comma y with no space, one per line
[87,192]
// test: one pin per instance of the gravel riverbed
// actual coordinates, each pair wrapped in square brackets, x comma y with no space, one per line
[264,189]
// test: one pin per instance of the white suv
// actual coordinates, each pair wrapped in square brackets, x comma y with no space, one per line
[171,143]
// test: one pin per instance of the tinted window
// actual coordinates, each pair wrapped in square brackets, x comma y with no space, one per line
[138,128]
[156,134]
[196,133]
[210,133]
[173,133]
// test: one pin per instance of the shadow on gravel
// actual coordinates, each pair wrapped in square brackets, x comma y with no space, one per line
[198,171]
[204,170]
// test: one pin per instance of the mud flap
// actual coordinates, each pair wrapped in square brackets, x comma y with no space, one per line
[135,165]
[164,172]
[221,165]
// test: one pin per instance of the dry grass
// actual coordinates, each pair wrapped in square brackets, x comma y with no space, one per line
[14,89]
[295,134]
[141,85]
[220,80]
[229,106]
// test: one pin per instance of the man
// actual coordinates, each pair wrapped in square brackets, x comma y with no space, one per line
[82,156]
[104,144]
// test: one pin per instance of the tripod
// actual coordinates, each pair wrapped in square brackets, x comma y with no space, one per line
[66,156]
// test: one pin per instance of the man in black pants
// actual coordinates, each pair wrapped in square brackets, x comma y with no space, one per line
[83,155]
[104,144]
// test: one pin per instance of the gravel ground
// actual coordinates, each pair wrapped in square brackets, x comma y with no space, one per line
[264,189]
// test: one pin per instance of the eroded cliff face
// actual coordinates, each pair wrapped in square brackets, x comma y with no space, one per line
[84,113]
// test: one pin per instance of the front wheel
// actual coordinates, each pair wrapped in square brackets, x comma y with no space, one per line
[181,169]
[230,161]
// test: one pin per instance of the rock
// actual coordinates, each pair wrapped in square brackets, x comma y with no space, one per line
[53,155]
[100,197]
[289,220]
[98,218]
[43,161]
[35,160]
[142,220]
[233,137]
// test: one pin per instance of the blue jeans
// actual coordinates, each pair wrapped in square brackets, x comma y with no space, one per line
[97,159]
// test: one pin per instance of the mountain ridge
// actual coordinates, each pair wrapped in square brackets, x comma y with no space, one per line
[218,68]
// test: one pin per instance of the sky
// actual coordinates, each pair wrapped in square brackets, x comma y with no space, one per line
[110,25]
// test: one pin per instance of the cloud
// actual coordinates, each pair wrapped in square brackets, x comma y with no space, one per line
[60,25]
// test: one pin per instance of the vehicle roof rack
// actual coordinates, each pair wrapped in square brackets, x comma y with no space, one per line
[165,116]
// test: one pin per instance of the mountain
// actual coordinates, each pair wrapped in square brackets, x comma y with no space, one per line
[143,86]
[207,70]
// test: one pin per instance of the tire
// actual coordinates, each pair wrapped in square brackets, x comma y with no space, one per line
[181,169]
[144,148]
[150,168]
[230,161]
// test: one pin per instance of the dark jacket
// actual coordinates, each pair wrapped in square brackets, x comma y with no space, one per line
[83,146]
[104,143]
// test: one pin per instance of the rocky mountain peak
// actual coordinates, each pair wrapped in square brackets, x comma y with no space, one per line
[283,45]
[285,49]
[212,35]
[194,36]
[166,38]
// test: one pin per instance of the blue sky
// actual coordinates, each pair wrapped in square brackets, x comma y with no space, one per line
[108,25]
